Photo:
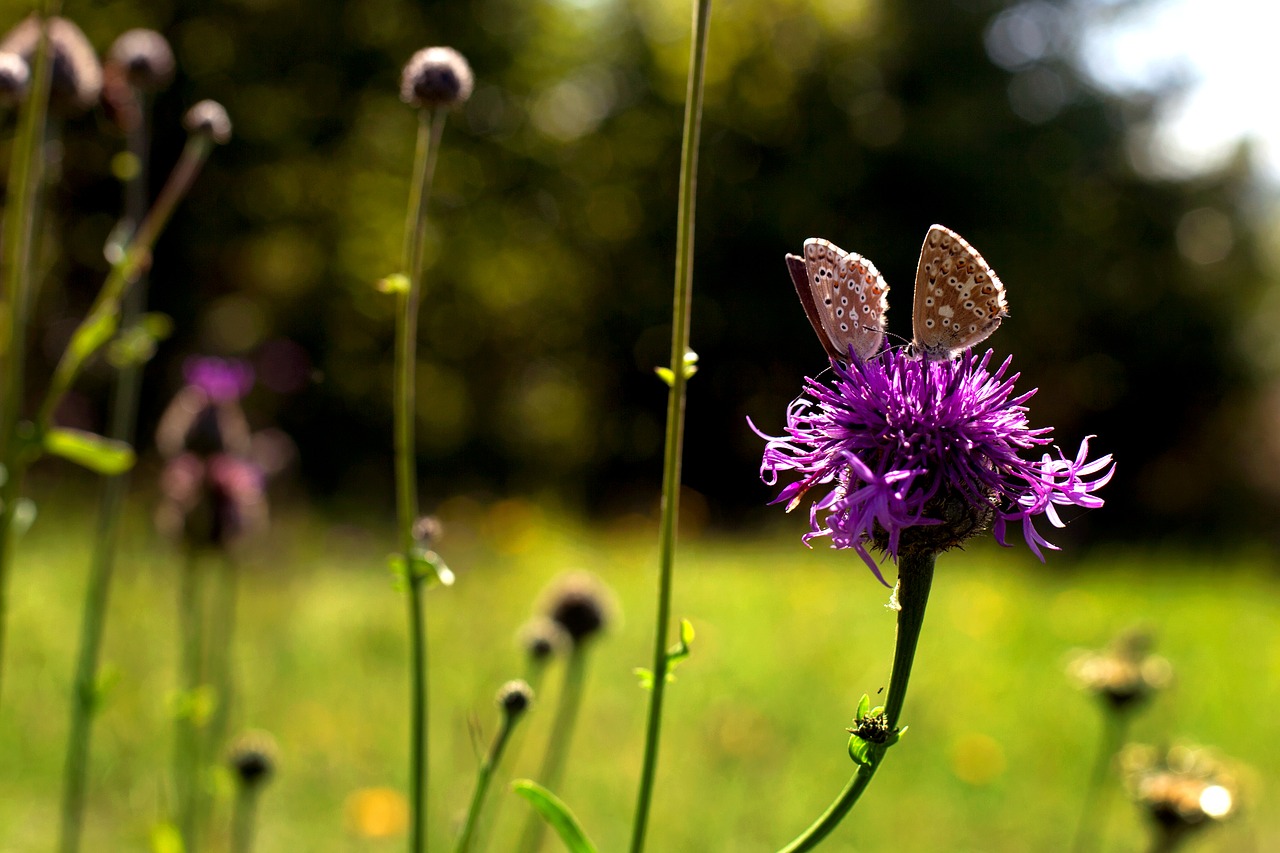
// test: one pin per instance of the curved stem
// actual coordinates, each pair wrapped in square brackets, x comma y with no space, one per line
[430,128]
[915,577]
[483,778]
[680,320]
[243,818]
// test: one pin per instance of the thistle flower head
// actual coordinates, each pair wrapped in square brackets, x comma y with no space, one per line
[77,75]
[1182,789]
[542,638]
[205,417]
[211,502]
[144,59]
[1124,675]
[514,698]
[436,77]
[904,453]
[252,758]
[15,78]
[209,118]
[580,604]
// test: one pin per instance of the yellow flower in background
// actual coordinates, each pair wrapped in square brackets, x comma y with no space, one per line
[376,812]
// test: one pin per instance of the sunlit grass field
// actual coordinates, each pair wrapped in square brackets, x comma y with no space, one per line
[999,747]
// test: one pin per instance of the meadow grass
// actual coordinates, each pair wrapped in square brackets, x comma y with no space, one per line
[996,758]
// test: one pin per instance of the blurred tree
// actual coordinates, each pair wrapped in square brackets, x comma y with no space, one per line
[548,288]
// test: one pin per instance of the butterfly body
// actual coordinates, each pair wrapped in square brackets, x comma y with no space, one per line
[959,300]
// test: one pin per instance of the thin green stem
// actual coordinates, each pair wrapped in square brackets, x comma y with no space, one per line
[483,778]
[553,760]
[123,423]
[188,761]
[243,818]
[430,129]
[915,577]
[25,181]
[674,449]
[1093,818]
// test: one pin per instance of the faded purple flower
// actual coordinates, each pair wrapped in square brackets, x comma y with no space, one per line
[223,380]
[211,502]
[895,443]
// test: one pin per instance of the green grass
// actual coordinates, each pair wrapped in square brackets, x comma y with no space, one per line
[754,745]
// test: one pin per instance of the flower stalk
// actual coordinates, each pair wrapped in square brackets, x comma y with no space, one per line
[513,700]
[553,760]
[679,372]
[915,578]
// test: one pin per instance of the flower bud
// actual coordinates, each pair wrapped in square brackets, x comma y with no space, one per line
[514,698]
[252,758]
[77,75]
[436,77]
[144,57]
[542,638]
[210,119]
[580,604]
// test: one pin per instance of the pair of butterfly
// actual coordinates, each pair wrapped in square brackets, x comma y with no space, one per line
[959,301]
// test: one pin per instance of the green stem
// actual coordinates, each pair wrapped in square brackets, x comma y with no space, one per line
[25,180]
[243,817]
[483,778]
[674,448]
[220,654]
[133,261]
[123,423]
[553,761]
[430,128]
[915,577]
[1093,819]
[187,753]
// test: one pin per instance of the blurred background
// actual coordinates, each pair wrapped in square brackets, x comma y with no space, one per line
[1141,273]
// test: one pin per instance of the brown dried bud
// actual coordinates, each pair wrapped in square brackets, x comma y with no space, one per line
[581,604]
[252,758]
[436,77]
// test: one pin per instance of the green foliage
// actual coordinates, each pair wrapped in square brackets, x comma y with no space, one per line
[556,814]
[676,655]
[102,455]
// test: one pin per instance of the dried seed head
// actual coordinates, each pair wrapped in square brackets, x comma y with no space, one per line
[542,638]
[1125,675]
[436,77]
[77,74]
[1181,789]
[514,697]
[581,604]
[209,118]
[252,758]
[15,77]
[145,58]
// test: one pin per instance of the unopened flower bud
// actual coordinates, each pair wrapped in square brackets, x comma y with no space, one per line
[542,638]
[436,77]
[145,58]
[581,604]
[210,119]
[77,75]
[514,697]
[252,758]
[15,78]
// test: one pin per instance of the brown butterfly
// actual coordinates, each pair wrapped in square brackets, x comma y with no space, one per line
[959,301]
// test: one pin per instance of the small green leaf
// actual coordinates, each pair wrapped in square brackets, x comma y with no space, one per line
[675,656]
[645,676]
[103,455]
[690,365]
[860,751]
[665,374]
[394,284]
[137,343]
[428,567]
[91,335]
[556,814]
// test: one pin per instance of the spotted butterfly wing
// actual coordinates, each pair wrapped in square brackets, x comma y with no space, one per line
[959,301]
[843,296]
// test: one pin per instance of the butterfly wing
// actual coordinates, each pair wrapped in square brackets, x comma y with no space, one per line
[959,301]
[844,297]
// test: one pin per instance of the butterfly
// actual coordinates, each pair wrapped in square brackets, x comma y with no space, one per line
[959,301]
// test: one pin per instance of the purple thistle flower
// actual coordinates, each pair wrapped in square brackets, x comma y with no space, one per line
[223,380]
[897,445]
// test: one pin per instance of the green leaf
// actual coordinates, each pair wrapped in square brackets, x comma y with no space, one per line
[675,656]
[665,374]
[428,567]
[137,343]
[860,751]
[645,676]
[103,455]
[864,707]
[690,365]
[556,814]
[165,838]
